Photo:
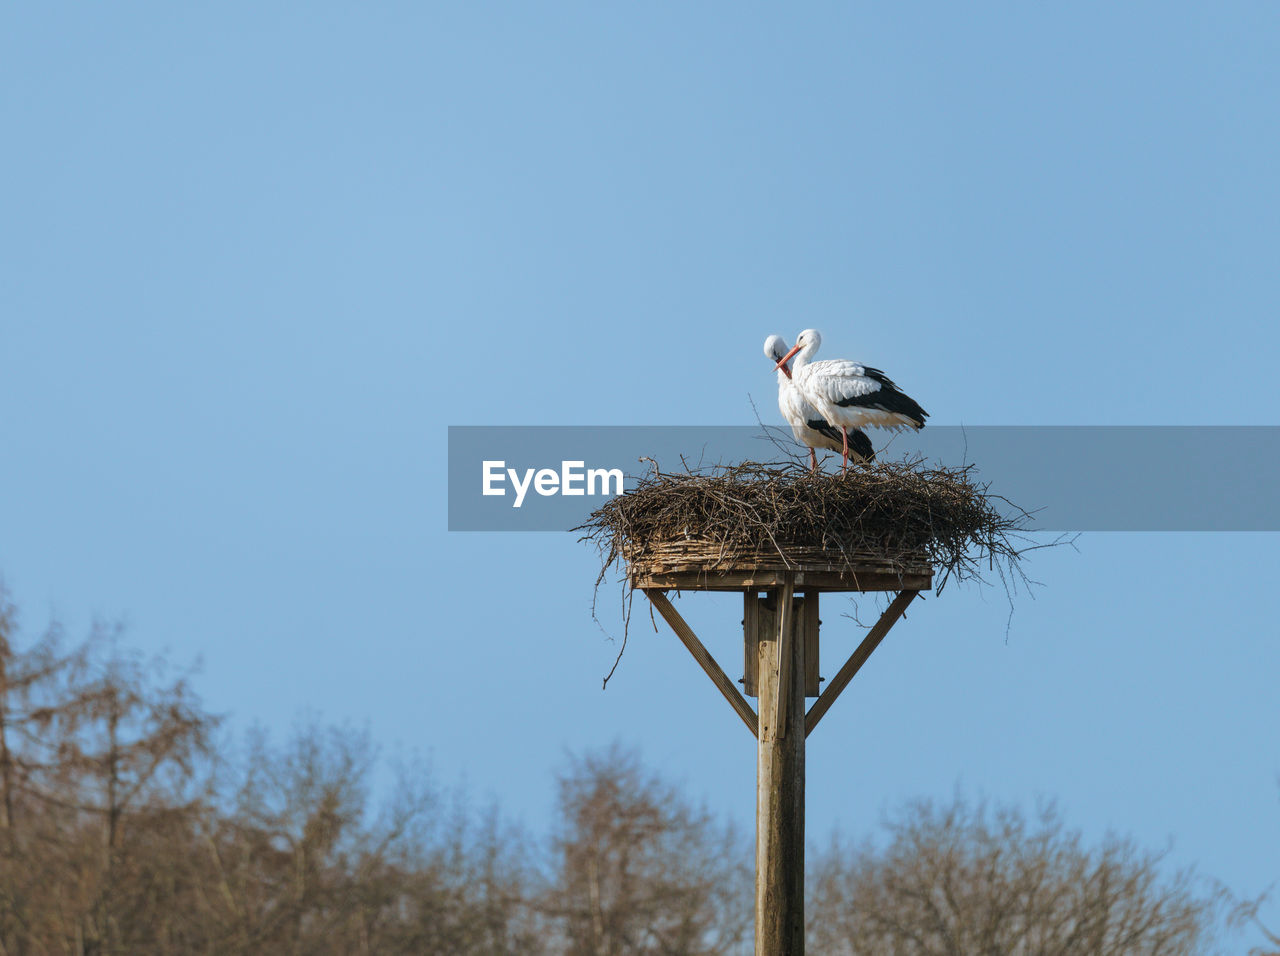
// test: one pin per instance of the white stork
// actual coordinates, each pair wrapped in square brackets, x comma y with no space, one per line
[808,427]
[849,395]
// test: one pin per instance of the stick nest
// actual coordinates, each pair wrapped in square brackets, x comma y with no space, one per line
[903,512]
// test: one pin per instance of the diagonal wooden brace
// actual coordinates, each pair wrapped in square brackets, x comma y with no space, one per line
[857,659]
[700,654]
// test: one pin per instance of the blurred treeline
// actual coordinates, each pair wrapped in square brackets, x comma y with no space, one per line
[130,825]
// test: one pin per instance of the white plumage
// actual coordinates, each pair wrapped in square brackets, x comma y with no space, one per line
[808,427]
[847,394]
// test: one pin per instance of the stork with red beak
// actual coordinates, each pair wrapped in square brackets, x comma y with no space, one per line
[848,395]
[808,427]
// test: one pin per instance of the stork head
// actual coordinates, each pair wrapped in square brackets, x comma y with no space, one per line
[807,343]
[775,346]
[809,339]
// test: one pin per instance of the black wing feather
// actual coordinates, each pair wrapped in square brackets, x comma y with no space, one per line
[859,443]
[887,397]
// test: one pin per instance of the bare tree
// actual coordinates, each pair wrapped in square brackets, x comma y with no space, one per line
[642,871]
[467,886]
[126,826]
[961,878]
[304,862]
[123,830]
[29,849]
[1272,940]
[97,754]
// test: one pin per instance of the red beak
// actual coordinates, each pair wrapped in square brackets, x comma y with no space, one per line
[786,370]
[785,359]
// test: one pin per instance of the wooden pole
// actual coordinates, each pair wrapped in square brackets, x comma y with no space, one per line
[786,619]
[780,787]
[782,641]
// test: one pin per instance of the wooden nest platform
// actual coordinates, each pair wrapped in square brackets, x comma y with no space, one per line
[879,527]
[693,565]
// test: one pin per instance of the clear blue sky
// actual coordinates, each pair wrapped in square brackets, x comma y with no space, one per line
[254,258]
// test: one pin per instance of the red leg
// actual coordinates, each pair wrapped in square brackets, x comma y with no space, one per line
[844,434]
[813,460]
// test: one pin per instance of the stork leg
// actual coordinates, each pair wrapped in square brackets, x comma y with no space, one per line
[844,435]
[813,460]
